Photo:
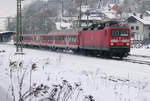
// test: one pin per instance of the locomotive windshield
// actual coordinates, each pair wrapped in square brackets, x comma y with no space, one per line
[119,32]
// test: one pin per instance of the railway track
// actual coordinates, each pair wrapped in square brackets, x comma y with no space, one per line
[143,56]
[141,59]
[137,61]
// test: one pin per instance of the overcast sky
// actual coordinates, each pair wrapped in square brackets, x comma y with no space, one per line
[8,8]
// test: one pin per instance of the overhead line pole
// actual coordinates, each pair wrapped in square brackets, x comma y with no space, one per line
[21,38]
[62,8]
[19,28]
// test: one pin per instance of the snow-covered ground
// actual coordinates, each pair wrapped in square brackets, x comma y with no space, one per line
[141,51]
[79,76]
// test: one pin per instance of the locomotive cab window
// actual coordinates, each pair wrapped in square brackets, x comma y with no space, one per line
[119,32]
[115,32]
[124,32]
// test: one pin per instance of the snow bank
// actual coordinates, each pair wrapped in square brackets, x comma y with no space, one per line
[104,79]
[4,95]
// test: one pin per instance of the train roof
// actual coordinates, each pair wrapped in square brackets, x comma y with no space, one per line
[66,30]
[7,33]
[57,32]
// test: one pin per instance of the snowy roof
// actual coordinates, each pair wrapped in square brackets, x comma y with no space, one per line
[147,18]
[60,25]
[91,17]
[84,8]
[110,14]
[67,30]
[8,32]
[145,22]
[148,12]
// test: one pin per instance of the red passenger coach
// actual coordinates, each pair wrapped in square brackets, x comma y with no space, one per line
[63,39]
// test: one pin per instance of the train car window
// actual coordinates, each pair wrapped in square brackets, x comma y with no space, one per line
[69,38]
[57,38]
[75,38]
[28,38]
[124,32]
[46,37]
[61,38]
[34,37]
[115,32]
[42,37]
[24,38]
[72,38]
[38,37]
[105,33]
[50,37]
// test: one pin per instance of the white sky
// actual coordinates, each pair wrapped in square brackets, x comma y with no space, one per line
[8,8]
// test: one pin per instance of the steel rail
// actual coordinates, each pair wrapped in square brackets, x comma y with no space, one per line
[143,56]
[137,61]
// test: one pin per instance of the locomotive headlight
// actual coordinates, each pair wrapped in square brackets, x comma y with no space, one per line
[125,40]
[127,44]
[111,44]
[114,40]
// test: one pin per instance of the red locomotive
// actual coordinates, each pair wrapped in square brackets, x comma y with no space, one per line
[106,39]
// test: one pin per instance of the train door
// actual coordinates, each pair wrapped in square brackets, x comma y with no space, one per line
[67,39]
[105,36]
[53,41]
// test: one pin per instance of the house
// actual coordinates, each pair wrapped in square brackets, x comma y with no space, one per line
[146,15]
[140,28]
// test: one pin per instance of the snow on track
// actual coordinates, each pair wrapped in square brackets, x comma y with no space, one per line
[105,79]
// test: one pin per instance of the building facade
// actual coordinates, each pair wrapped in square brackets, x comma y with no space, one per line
[140,28]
